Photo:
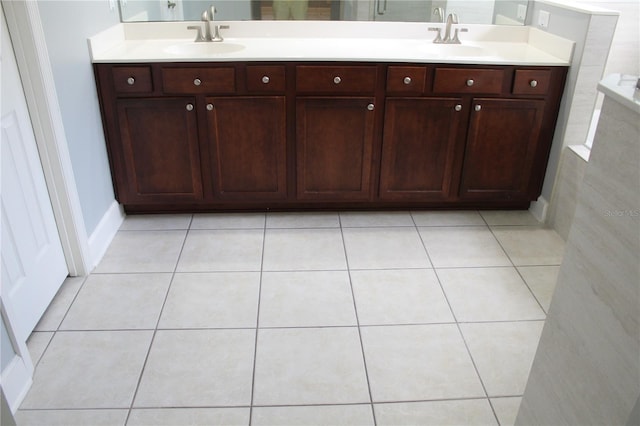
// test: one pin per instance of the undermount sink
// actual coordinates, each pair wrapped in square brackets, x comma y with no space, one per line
[203,48]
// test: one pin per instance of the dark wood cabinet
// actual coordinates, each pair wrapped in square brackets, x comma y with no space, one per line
[247,147]
[315,135]
[160,151]
[421,149]
[334,140]
[502,142]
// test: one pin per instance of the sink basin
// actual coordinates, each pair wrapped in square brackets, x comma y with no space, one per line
[203,48]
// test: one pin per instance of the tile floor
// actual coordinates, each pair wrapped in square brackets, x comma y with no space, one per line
[355,318]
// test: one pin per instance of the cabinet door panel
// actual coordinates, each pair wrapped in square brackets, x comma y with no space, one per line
[502,141]
[161,153]
[248,147]
[421,148]
[334,145]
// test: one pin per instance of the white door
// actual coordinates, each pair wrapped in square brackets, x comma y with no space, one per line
[33,264]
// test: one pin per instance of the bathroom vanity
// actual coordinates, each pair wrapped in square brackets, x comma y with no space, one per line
[256,129]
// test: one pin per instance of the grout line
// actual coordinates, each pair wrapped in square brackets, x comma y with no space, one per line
[355,308]
[255,345]
[155,331]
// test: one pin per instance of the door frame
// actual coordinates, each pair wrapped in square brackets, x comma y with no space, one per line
[29,45]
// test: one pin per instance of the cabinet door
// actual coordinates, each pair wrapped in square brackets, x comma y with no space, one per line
[501,148]
[334,138]
[248,147]
[422,147]
[160,150]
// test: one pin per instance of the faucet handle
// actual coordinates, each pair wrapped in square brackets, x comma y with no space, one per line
[199,36]
[455,39]
[438,38]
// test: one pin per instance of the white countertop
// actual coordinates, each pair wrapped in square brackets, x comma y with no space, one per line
[332,41]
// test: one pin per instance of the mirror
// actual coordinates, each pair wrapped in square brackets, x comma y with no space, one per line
[507,12]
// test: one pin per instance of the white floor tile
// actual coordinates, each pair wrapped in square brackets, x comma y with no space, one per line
[222,250]
[71,417]
[228,221]
[385,248]
[303,220]
[142,251]
[418,362]
[156,222]
[503,353]
[542,281]
[304,249]
[489,294]
[467,412]
[528,246]
[456,247]
[89,369]
[306,299]
[447,218]
[37,344]
[318,415]
[189,416]
[509,217]
[212,300]
[506,409]
[300,366]
[372,219]
[60,304]
[400,296]
[118,302]
[198,368]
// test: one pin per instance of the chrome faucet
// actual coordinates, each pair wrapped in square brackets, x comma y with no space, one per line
[452,19]
[208,17]
[438,12]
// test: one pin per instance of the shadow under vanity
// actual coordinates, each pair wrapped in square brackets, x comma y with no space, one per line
[287,132]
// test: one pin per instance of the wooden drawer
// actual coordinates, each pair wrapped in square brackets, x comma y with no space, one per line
[265,78]
[468,80]
[402,79]
[199,80]
[336,79]
[531,82]
[132,79]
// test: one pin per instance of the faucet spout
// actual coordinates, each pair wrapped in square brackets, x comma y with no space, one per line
[451,19]
[207,25]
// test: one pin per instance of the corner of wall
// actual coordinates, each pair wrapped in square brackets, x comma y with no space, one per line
[104,233]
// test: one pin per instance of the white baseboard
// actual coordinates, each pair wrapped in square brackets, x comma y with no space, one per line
[539,209]
[105,231]
[16,381]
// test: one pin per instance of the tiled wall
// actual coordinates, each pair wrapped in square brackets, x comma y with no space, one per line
[565,194]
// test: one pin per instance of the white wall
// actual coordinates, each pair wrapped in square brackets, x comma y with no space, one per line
[67,25]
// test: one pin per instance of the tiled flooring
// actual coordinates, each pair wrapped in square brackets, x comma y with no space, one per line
[299,318]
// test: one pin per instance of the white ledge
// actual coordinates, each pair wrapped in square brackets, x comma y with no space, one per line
[335,41]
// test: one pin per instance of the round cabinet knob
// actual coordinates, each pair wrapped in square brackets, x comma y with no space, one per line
[458,107]
[209,107]
[337,80]
[266,79]
[533,83]
[131,81]
[197,82]
[470,82]
[407,80]
[189,107]
[477,107]
[371,107]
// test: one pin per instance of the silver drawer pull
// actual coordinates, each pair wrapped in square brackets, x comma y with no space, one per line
[209,107]
[533,83]
[189,107]
[197,82]
[371,107]
[266,79]
[337,80]
[470,82]
[407,80]
[458,108]
[131,81]
[477,107]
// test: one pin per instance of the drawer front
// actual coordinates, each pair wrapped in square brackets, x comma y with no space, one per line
[336,79]
[531,82]
[199,80]
[406,79]
[266,78]
[132,79]
[468,80]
